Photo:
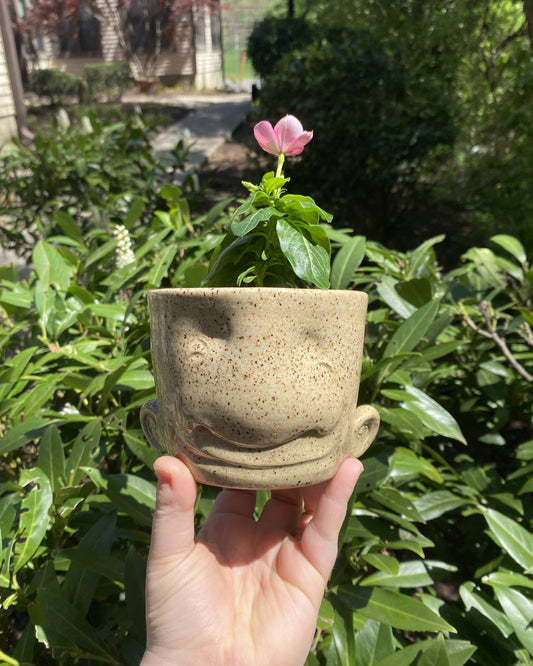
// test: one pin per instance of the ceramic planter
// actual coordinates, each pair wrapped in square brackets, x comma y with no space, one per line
[258,387]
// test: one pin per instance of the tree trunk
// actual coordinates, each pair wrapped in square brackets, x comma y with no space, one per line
[528,11]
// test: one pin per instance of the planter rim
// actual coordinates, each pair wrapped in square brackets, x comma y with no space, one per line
[212,291]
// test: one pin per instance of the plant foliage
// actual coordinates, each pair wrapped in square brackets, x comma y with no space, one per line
[436,551]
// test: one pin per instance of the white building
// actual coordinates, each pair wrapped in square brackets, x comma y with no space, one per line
[192,55]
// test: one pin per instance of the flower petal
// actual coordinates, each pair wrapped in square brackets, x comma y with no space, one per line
[298,145]
[266,137]
[287,130]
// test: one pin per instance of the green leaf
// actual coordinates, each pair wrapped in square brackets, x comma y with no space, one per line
[393,608]
[133,496]
[416,291]
[413,329]
[310,262]
[484,262]
[34,516]
[375,473]
[135,579]
[68,224]
[250,222]
[161,264]
[79,585]
[136,210]
[373,642]
[414,573]
[472,598]
[511,245]
[436,654]
[61,625]
[432,415]
[519,610]
[51,457]
[346,261]
[385,563]
[82,452]
[387,291]
[508,579]
[405,462]
[435,504]
[50,266]
[396,501]
[458,653]
[512,537]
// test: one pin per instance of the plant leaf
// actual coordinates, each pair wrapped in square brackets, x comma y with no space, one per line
[432,415]
[346,261]
[310,262]
[512,537]
[33,514]
[393,608]
[413,329]
[250,222]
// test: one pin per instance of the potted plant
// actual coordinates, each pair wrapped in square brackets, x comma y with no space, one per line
[257,375]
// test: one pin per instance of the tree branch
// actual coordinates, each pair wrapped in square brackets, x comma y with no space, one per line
[493,335]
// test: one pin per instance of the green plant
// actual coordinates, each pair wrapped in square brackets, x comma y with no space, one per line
[364,164]
[275,238]
[86,167]
[77,493]
[273,37]
[55,85]
[108,79]
[435,552]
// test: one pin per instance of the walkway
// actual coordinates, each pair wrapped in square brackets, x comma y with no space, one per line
[211,120]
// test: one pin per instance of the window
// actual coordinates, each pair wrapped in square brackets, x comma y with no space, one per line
[80,35]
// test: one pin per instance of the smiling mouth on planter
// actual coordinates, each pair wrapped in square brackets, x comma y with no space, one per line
[211,448]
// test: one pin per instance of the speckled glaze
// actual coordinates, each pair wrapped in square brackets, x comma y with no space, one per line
[257,387]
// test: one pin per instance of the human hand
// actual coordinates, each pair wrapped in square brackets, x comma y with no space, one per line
[244,592]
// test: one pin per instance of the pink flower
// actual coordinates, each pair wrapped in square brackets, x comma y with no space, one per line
[287,137]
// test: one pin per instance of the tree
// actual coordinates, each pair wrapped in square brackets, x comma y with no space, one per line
[142,27]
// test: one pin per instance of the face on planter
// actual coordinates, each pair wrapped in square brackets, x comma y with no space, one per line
[259,394]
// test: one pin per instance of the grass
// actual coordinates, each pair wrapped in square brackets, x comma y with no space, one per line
[233,66]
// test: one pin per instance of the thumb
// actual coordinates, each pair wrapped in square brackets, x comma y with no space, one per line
[173,524]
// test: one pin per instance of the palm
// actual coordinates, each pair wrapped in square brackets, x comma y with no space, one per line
[245,591]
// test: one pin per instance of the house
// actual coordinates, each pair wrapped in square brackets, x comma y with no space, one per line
[8,118]
[192,55]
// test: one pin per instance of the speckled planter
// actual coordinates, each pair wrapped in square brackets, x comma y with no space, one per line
[257,387]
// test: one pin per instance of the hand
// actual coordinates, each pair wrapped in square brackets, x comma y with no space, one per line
[244,592]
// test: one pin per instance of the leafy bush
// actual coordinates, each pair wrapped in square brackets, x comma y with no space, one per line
[373,126]
[87,167]
[273,37]
[54,84]
[436,551]
[107,79]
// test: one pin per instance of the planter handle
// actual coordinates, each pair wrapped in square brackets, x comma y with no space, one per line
[149,423]
[366,427]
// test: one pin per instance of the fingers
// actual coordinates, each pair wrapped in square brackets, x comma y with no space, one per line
[173,525]
[235,502]
[319,538]
[282,510]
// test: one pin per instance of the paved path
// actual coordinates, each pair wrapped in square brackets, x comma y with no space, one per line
[211,120]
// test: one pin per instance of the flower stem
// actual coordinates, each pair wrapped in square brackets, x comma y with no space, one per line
[279,170]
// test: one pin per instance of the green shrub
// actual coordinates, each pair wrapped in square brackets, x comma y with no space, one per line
[436,549]
[273,37]
[57,86]
[87,167]
[107,80]
[373,127]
